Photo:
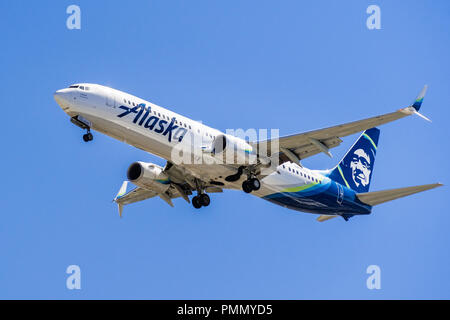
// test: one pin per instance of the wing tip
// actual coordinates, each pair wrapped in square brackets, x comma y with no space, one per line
[418,102]
[120,207]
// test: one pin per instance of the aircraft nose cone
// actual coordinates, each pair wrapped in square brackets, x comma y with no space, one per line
[61,94]
[58,94]
[62,98]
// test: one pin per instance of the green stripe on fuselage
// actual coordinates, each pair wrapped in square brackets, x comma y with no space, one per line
[300,188]
[342,175]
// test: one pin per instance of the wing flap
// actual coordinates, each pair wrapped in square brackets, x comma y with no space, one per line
[378,197]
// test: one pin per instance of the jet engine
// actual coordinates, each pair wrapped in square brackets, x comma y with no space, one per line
[233,150]
[149,176]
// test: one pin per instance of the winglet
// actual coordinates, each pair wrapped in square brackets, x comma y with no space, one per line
[415,107]
[122,190]
[418,102]
[121,193]
[120,209]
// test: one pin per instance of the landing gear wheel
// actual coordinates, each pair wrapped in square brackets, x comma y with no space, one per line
[255,184]
[88,137]
[204,200]
[246,186]
[196,202]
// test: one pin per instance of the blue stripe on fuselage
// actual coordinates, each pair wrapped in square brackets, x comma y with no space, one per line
[321,199]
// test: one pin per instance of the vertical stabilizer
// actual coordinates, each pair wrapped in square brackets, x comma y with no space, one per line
[356,168]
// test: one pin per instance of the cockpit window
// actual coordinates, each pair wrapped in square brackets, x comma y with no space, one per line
[81,87]
[74,87]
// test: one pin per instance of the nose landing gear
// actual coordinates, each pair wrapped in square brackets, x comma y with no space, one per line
[88,136]
[84,124]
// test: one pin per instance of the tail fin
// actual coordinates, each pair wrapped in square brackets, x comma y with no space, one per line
[355,169]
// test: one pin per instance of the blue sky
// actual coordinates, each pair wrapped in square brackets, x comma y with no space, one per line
[290,65]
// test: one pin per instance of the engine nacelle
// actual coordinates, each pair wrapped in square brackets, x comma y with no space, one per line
[233,150]
[148,176]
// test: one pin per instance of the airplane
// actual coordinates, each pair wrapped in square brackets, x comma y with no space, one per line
[274,172]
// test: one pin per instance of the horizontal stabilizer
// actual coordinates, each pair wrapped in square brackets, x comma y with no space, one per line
[378,197]
[325,217]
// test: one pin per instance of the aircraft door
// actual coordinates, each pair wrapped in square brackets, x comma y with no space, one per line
[110,101]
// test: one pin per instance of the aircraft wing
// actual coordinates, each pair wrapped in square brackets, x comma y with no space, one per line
[135,195]
[181,185]
[300,146]
[139,194]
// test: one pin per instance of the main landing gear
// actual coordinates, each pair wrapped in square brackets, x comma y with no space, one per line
[202,200]
[251,184]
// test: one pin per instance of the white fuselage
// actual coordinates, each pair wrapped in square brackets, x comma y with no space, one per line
[102,106]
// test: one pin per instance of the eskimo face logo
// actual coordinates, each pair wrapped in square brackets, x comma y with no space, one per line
[361,168]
